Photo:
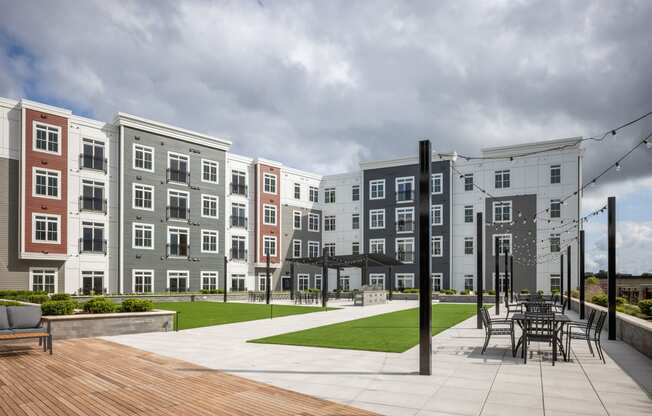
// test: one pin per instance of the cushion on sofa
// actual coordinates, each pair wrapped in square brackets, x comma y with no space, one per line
[24,316]
[4,319]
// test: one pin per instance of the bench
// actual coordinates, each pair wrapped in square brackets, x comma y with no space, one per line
[24,322]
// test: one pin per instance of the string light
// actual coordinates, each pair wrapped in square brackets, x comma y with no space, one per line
[618,167]
[648,144]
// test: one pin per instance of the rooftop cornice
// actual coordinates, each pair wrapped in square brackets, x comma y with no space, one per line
[516,149]
[50,109]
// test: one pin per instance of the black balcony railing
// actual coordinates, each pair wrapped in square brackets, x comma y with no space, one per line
[407,195]
[178,213]
[403,226]
[238,254]
[178,176]
[238,189]
[405,256]
[238,221]
[95,245]
[91,203]
[87,161]
[178,250]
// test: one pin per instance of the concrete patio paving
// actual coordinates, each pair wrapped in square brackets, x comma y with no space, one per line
[464,382]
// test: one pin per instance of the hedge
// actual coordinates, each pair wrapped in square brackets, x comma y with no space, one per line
[136,305]
[38,298]
[645,306]
[100,305]
[60,296]
[10,303]
[58,307]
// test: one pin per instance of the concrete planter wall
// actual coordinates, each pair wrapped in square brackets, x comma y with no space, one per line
[183,297]
[630,329]
[486,299]
[96,325]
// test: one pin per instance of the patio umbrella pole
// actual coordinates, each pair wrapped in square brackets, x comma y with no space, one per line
[511,276]
[225,278]
[424,203]
[568,278]
[582,288]
[561,278]
[497,275]
[479,283]
[506,286]
[267,282]
[324,278]
[292,286]
[611,249]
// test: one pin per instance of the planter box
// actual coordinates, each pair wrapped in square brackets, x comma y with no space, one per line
[107,324]
[182,297]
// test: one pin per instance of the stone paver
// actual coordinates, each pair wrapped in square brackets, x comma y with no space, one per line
[464,382]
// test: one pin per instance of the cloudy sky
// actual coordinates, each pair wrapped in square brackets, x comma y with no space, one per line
[323,85]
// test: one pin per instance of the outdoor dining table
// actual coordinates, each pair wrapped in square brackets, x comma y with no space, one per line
[558,320]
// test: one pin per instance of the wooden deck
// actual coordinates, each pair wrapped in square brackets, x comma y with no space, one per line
[97,377]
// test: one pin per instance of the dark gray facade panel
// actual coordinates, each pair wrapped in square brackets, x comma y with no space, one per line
[113,217]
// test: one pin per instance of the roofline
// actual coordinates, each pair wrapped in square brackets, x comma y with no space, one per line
[8,102]
[239,158]
[46,108]
[268,162]
[411,160]
[302,173]
[513,150]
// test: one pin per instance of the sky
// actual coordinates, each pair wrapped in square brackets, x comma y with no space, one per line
[323,85]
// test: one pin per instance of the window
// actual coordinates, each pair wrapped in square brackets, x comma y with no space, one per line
[297,191]
[92,156]
[377,245]
[45,228]
[329,195]
[209,241]
[238,247]
[345,283]
[43,280]
[355,248]
[555,243]
[209,280]
[262,282]
[45,183]
[143,280]
[178,242]
[405,250]
[437,217]
[313,222]
[313,249]
[143,235]
[143,197]
[468,213]
[178,207]
[405,189]
[468,182]
[555,174]
[269,183]
[555,283]
[377,189]
[313,194]
[502,179]
[376,219]
[304,282]
[238,283]
[436,279]
[238,182]
[503,211]
[504,243]
[92,240]
[238,216]
[92,282]
[209,206]
[143,158]
[468,245]
[329,223]
[296,220]
[318,281]
[437,183]
[269,214]
[178,169]
[269,245]
[296,249]
[355,193]
[404,220]
[330,248]
[404,280]
[437,246]
[178,280]
[468,282]
[209,171]
[377,280]
[92,198]
[555,208]
[46,138]
[355,221]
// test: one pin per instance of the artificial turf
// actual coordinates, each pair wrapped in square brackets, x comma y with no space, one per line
[389,332]
[199,314]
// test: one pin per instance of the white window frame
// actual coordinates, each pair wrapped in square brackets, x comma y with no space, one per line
[318,279]
[273,209]
[353,188]
[331,227]
[313,194]
[275,240]
[505,236]
[558,202]
[209,163]
[56,173]
[142,272]
[295,215]
[311,221]
[330,247]
[465,177]
[404,276]
[437,178]
[48,270]
[405,211]
[311,246]
[294,247]
[381,215]
[178,274]
[554,276]
[433,241]
[376,242]
[357,245]
[472,214]
[144,149]
[552,168]
[301,278]
[377,277]
[355,215]
[213,198]
[466,240]
[210,233]
[406,240]
[435,208]
[558,238]
[133,235]
[209,274]
[502,204]
[402,180]
[275,180]
[179,156]
[329,195]
[379,184]
[472,279]
[48,218]
[177,229]
[179,191]
[437,276]
[502,173]
[149,188]
[297,187]
[47,131]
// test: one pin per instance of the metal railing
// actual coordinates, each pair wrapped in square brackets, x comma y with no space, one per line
[90,203]
[178,176]
[402,196]
[95,246]
[91,162]
[238,221]
[177,213]
[405,256]
[404,226]
[238,255]
[238,189]
[177,250]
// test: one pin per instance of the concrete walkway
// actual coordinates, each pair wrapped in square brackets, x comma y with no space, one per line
[464,382]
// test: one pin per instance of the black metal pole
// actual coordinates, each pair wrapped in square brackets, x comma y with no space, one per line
[568,278]
[225,279]
[267,281]
[324,278]
[479,266]
[497,275]
[363,278]
[292,285]
[338,284]
[506,279]
[425,265]
[561,278]
[611,247]
[511,276]
[391,283]
[582,288]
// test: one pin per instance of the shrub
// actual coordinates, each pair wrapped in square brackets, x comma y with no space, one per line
[410,290]
[575,293]
[60,296]
[37,298]
[645,306]
[10,303]
[525,291]
[592,280]
[449,291]
[555,291]
[136,305]
[99,305]
[600,299]
[490,292]
[58,307]
[465,292]
[630,310]
[539,292]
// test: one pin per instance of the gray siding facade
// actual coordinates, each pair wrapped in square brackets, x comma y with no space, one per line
[289,234]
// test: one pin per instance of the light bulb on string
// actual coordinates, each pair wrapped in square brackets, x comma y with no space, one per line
[618,167]
[648,144]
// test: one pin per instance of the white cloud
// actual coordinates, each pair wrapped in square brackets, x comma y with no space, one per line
[633,242]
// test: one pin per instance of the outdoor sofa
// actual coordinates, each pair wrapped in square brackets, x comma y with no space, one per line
[22,322]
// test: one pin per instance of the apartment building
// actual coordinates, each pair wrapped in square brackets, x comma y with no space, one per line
[136,205]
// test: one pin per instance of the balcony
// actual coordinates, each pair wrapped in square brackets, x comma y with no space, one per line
[94,204]
[92,246]
[177,213]
[238,221]
[403,226]
[87,161]
[404,196]
[238,189]
[177,250]
[405,256]
[238,254]
[178,176]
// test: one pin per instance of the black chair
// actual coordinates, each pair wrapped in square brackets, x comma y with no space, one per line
[512,307]
[539,327]
[581,330]
[496,327]
[541,308]
[597,333]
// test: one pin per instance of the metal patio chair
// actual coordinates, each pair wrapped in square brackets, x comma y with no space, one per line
[496,327]
[581,330]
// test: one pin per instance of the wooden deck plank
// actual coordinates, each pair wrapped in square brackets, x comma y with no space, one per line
[100,378]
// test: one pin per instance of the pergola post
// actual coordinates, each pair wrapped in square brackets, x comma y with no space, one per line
[391,282]
[506,279]
[324,278]
[479,266]
[582,287]
[561,278]
[292,280]
[511,276]
[611,261]
[497,274]
[568,278]
[225,279]
[267,281]
[363,278]
[338,283]
[425,265]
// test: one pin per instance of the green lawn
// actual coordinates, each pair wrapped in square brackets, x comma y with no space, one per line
[390,332]
[198,314]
